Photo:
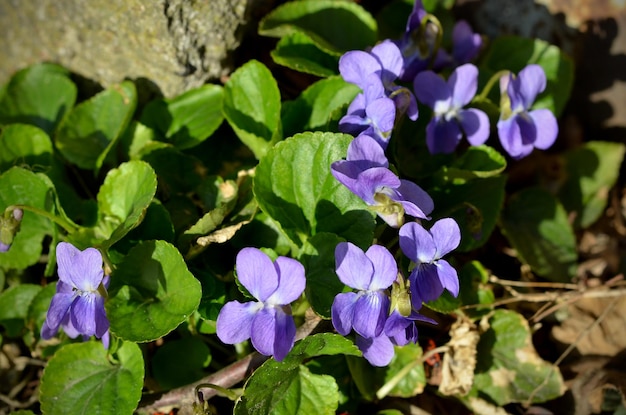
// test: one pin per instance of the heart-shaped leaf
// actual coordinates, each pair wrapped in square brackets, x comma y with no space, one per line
[151,292]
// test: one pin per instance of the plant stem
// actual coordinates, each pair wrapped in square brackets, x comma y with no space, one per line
[69,227]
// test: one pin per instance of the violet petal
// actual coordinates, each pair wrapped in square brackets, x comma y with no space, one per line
[417,243]
[234,322]
[377,351]
[475,124]
[547,127]
[353,267]
[291,281]
[446,235]
[370,313]
[342,312]
[256,272]
[385,267]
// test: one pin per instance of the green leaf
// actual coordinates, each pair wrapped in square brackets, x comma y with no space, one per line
[335,26]
[293,185]
[392,18]
[188,119]
[252,107]
[38,308]
[178,172]
[151,292]
[299,52]
[19,186]
[514,53]
[213,295]
[321,344]
[319,107]
[81,379]
[171,371]
[135,138]
[592,171]
[473,289]
[322,283]
[296,392]
[477,162]
[123,199]
[508,368]
[475,205]
[39,95]
[92,128]
[14,304]
[410,377]
[288,387]
[536,225]
[24,144]
[156,224]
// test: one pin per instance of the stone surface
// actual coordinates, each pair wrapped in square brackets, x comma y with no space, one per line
[174,44]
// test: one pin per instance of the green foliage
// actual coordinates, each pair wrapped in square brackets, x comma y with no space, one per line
[14,304]
[475,205]
[89,132]
[536,225]
[123,199]
[22,144]
[299,52]
[591,171]
[508,368]
[151,292]
[289,387]
[81,378]
[169,194]
[188,119]
[252,107]
[33,190]
[322,283]
[293,185]
[346,25]
[319,106]
[180,362]
[473,290]
[40,95]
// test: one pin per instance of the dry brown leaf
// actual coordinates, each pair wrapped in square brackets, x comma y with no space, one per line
[606,339]
[457,369]
[222,235]
[595,375]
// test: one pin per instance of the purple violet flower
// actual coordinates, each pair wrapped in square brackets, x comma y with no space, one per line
[267,321]
[384,60]
[432,274]
[520,130]
[400,325]
[417,45]
[465,43]
[370,113]
[371,273]
[365,174]
[78,305]
[447,99]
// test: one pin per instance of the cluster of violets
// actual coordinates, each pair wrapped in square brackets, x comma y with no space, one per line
[384,306]
[416,58]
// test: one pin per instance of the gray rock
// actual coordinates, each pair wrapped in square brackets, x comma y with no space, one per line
[175,44]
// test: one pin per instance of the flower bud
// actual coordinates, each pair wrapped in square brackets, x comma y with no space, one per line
[9,226]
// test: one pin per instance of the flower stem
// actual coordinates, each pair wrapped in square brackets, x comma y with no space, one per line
[69,227]
[492,81]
